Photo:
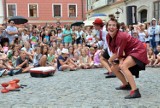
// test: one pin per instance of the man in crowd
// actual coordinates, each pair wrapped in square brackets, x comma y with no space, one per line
[101,38]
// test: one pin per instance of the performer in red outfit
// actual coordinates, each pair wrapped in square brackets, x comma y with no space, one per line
[130,53]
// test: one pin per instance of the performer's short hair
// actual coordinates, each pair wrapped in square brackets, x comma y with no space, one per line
[113,19]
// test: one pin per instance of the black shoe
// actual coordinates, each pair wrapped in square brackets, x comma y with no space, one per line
[15,72]
[110,75]
[10,73]
[124,87]
[133,94]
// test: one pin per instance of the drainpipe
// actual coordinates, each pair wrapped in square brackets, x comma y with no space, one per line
[4,8]
[82,9]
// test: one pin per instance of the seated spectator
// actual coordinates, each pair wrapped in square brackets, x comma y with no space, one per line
[28,50]
[5,47]
[34,39]
[96,59]
[15,57]
[85,60]
[51,57]
[22,62]
[64,63]
[37,57]
[75,58]
[151,57]
[59,50]
[4,62]
[157,61]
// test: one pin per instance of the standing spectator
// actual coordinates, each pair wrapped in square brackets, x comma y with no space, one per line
[25,36]
[142,33]
[153,32]
[11,31]
[67,35]
[79,35]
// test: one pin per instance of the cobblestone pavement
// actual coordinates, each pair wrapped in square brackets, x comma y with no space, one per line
[81,89]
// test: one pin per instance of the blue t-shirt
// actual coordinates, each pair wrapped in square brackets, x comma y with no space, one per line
[60,58]
[47,38]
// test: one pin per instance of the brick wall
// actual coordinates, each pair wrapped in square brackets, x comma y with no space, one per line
[45,10]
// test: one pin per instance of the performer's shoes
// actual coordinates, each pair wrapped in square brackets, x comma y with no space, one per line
[110,75]
[124,87]
[133,94]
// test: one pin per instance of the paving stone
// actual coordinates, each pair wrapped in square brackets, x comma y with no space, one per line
[81,89]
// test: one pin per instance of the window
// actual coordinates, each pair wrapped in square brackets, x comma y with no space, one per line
[33,10]
[11,10]
[72,11]
[57,10]
[111,1]
[157,10]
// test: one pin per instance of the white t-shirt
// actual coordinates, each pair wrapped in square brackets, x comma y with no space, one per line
[25,37]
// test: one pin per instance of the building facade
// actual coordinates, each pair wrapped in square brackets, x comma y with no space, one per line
[1,12]
[145,9]
[46,11]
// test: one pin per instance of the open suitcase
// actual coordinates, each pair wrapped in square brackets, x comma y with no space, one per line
[42,71]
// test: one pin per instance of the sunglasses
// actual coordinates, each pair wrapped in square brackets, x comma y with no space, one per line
[34,32]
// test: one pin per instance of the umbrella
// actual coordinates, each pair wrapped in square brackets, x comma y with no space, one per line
[18,20]
[77,24]
[88,22]
[98,15]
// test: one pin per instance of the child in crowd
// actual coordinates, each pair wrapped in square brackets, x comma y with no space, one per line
[25,36]
[85,60]
[5,47]
[90,40]
[59,50]
[51,57]
[28,50]
[96,59]
[37,56]
[151,56]
[34,39]
[46,37]
[15,57]
[157,61]
[22,62]
[71,51]
[64,62]
[59,36]
[75,59]
[53,36]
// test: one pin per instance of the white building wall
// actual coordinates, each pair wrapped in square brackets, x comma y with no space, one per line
[1,12]
[141,4]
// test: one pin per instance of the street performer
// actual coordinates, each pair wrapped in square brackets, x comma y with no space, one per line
[132,56]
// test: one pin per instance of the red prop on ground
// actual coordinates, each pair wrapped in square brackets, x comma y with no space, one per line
[16,83]
[4,90]
[12,85]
